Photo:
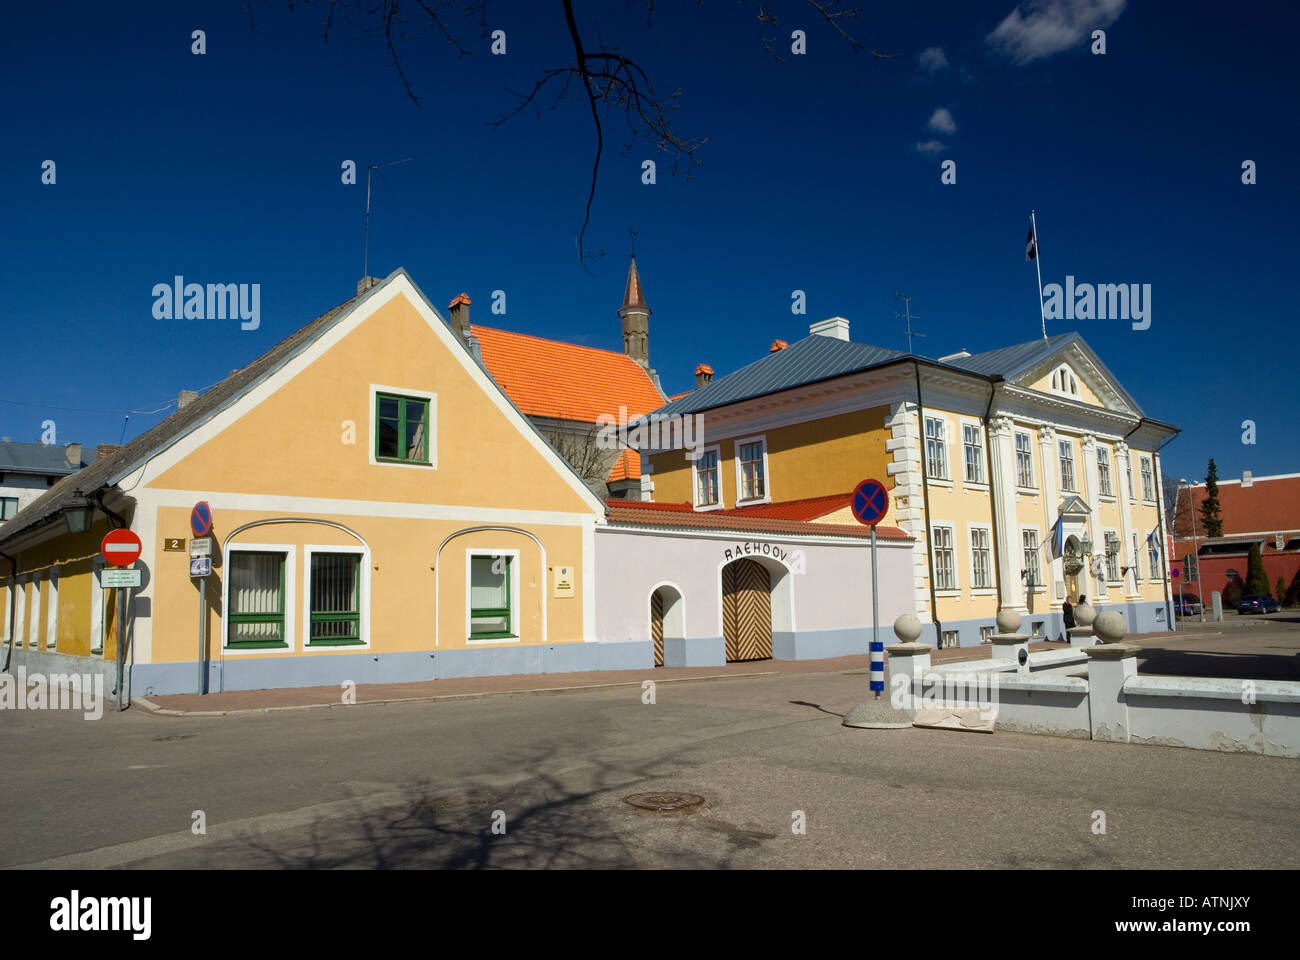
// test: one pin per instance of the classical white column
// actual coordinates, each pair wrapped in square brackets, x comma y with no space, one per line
[1092,482]
[1054,571]
[1121,469]
[1002,487]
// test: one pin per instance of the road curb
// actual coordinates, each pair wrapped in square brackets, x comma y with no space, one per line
[153,708]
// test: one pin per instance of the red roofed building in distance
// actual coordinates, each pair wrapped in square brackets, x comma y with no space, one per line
[563,388]
[1253,510]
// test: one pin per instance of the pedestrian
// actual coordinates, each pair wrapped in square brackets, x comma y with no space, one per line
[1067,612]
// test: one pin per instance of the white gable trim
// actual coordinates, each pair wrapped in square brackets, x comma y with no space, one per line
[397,284]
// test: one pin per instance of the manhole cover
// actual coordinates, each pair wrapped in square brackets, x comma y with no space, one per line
[664,801]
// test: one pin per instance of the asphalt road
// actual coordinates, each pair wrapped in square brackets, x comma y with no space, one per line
[416,785]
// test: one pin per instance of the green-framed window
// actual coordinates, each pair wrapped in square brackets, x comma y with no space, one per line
[401,428]
[490,613]
[256,597]
[335,603]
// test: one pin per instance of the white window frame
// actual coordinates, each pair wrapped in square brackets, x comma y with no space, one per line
[986,634]
[695,479]
[431,433]
[955,589]
[942,446]
[290,552]
[1038,539]
[470,554]
[977,591]
[34,622]
[1119,557]
[767,474]
[363,598]
[949,639]
[52,621]
[979,459]
[1063,444]
[1148,478]
[1029,452]
[1106,478]
[1153,559]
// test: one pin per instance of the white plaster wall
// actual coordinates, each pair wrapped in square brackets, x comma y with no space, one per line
[832,591]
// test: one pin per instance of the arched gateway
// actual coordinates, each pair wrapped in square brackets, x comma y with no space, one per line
[747,611]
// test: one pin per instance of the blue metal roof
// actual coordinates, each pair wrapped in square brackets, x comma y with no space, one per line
[821,357]
[42,458]
[814,358]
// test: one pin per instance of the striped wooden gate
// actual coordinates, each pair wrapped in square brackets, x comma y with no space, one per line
[747,611]
[657,626]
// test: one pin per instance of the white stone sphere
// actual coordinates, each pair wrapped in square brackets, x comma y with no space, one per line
[1109,626]
[907,628]
[1084,614]
[1009,621]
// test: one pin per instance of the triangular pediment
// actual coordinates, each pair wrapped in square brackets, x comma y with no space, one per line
[1073,506]
[1073,372]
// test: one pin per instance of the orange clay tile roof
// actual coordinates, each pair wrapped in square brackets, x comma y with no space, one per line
[548,378]
[808,509]
[628,467]
[684,515]
[675,396]
[1269,504]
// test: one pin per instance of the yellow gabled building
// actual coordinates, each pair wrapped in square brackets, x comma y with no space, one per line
[991,457]
[383,512]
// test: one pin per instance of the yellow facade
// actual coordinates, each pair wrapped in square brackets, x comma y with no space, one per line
[814,459]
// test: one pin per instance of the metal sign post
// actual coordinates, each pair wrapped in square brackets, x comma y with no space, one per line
[121,548]
[201,567]
[870,504]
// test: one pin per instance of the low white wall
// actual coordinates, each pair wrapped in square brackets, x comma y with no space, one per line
[1048,704]
[1208,713]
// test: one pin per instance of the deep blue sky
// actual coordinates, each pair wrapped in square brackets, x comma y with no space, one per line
[226,168]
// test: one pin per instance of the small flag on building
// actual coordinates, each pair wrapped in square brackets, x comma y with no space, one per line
[1031,245]
[1058,539]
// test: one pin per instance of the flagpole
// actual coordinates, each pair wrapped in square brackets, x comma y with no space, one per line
[1039,267]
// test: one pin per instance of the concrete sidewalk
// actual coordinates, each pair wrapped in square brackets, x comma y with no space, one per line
[532,684]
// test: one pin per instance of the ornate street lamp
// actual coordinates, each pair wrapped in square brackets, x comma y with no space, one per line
[78,513]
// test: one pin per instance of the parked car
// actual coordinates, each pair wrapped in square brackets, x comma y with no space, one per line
[1254,603]
[1187,604]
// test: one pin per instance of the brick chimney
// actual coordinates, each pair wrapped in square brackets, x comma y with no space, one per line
[106,448]
[73,453]
[365,283]
[777,345]
[185,398]
[458,317]
[703,375]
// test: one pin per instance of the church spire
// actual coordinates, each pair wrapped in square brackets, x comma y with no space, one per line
[636,318]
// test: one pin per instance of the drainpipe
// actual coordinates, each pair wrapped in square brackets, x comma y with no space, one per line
[1160,514]
[13,606]
[925,498]
[993,503]
[98,496]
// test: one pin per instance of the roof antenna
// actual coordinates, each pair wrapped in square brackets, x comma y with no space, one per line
[370,169]
[124,420]
[909,317]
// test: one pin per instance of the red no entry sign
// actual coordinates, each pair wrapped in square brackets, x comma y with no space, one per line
[121,548]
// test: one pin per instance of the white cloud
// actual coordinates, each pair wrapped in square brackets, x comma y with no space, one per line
[942,121]
[1037,29]
[931,146]
[932,59]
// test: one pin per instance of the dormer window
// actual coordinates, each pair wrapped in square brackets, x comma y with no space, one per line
[1063,382]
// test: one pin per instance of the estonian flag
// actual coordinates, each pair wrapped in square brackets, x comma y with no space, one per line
[1058,539]
[1031,245]
[1151,537]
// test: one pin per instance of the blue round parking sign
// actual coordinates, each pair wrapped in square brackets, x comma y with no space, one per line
[201,519]
[870,502]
